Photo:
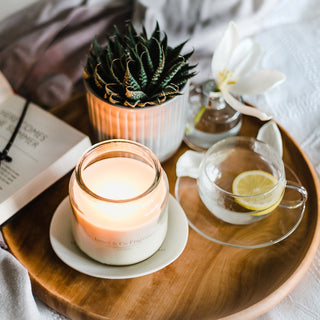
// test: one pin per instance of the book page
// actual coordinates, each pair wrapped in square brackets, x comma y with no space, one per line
[40,142]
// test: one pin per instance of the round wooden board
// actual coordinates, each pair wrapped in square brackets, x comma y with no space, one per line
[208,281]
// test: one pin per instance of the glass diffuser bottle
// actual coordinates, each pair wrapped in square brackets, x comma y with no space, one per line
[210,118]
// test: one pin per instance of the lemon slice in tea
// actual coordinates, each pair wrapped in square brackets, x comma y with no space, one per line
[254,188]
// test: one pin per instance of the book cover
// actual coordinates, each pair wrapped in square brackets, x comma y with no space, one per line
[45,149]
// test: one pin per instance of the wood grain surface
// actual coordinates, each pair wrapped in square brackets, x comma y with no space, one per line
[208,281]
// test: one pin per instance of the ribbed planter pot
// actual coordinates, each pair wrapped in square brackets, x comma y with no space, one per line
[160,128]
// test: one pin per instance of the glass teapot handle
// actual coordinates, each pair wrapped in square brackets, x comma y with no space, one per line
[295,203]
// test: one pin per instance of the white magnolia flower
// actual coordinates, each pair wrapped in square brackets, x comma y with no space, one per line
[231,68]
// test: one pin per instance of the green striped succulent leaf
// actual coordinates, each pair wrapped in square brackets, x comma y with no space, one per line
[135,70]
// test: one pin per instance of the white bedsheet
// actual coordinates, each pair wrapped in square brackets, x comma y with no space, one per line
[292,45]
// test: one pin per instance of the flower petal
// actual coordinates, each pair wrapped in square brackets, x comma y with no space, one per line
[242,108]
[245,58]
[257,82]
[270,134]
[224,50]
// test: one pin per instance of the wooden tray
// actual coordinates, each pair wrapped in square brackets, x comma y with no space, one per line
[208,281]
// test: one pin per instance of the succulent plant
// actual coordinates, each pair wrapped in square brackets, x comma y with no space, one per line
[136,71]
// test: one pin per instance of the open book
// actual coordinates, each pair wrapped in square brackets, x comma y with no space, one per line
[45,149]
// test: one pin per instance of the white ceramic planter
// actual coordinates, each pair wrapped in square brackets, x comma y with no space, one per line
[160,128]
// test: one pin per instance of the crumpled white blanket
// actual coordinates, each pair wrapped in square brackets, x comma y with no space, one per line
[292,45]
[16,299]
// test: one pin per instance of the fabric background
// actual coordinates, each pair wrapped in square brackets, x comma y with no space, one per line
[288,31]
[49,51]
[291,40]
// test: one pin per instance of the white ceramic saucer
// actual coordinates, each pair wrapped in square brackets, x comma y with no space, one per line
[63,244]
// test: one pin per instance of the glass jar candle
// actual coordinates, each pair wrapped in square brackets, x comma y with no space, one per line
[119,198]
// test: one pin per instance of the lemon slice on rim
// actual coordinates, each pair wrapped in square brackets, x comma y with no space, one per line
[254,188]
